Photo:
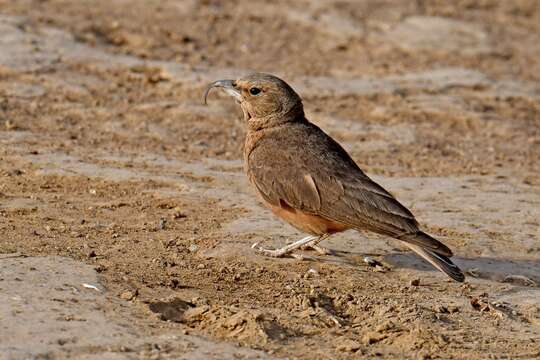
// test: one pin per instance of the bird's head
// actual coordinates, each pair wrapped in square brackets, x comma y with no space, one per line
[266,100]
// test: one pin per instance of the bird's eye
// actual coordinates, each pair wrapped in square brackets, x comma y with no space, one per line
[254,91]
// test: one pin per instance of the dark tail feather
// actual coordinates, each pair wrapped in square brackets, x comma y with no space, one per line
[440,261]
[426,241]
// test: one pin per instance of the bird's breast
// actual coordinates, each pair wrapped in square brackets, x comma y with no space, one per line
[253,139]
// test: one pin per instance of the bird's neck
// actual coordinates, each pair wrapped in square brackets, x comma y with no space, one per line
[294,114]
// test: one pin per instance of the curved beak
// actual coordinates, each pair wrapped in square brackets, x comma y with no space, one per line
[227,85]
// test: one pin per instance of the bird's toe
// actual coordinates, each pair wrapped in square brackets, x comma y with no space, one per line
[268,252]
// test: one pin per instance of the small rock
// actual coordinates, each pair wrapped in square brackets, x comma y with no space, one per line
[162,224]
[372,262]
[311,273]
[174,283]
[377,265]
[480,304]
[92,254]
[201,266]
[415,282]
[16,172]
[10,125]
[128,295]
[193,248]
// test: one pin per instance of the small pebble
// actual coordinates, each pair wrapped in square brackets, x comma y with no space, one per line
[127,295]
[9,125]
[16,172]
[162,224]
[415,282]
[379,267]
[311,273]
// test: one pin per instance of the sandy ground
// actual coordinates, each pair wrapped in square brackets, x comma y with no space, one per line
[126,221]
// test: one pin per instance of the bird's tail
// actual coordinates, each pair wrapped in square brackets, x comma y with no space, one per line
[440,261]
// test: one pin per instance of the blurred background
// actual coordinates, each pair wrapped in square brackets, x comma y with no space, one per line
[109,158]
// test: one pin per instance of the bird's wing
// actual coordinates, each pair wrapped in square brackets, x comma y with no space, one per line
[307,170]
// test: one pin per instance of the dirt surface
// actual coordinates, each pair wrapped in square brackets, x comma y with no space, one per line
[114,175]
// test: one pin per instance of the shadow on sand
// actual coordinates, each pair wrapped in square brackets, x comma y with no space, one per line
[518,272]
[525,272]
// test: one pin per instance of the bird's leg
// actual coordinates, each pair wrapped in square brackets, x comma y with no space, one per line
[287,249]
[314,245]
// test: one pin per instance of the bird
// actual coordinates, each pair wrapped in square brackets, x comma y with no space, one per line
[307,179]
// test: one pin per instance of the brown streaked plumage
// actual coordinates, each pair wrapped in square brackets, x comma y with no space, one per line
[306,178]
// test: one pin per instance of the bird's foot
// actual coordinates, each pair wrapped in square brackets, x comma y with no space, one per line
[281,252]
[307,242]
